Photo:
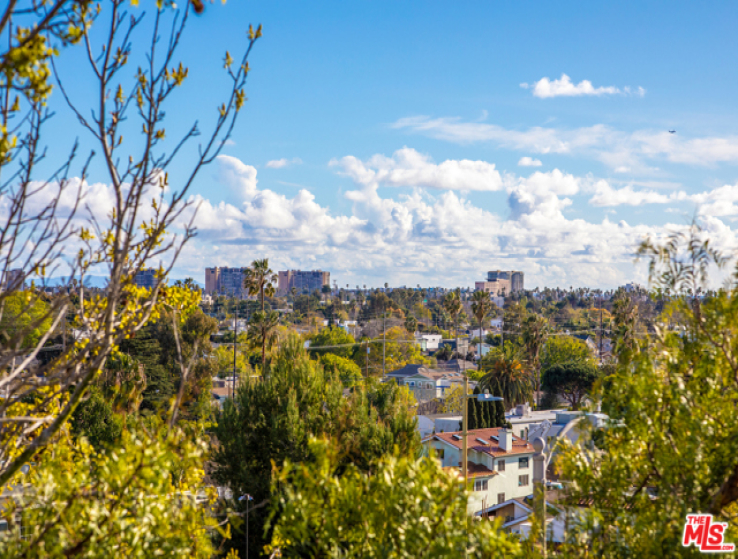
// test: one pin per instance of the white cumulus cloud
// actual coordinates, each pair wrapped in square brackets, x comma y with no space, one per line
[284,162]
[621,151]
[529,162]
[407,167]
[606,196]
[430,232]
[564,87]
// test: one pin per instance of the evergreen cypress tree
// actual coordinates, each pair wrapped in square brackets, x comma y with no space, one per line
[500,420]
[473,411]
[485,419]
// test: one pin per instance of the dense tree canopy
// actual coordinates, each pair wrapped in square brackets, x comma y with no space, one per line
[25,317]
[338,341]
[125,501]
[672,447]
[400,350]
[273,420]
[570,381]
[564,349]
[408,508]
[344,369]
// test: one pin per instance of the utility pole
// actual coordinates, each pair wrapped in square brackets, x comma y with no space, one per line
[384,343]
[367,359]
[464,442]
[235,339]
[601,330]
[458,363]
[502,329]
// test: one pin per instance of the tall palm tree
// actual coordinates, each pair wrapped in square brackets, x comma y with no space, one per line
[262,333]
[505,371]
[353,306]
[444,318]
[535,333]
[452,305]
[411,324]
[260,280]
[481,307]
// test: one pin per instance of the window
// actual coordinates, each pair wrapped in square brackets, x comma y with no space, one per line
[522,481]
[440,453]
[500,465]
[411,383]
[480,485]
[522,433]
[500,498]
[522,463]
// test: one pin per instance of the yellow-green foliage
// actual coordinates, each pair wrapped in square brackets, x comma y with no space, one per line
[24,313]
[136,500]
[672,448]
[400,350]
[406,508]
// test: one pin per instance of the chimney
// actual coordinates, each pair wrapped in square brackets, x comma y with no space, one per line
[505,438]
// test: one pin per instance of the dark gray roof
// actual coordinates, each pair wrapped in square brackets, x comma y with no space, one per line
[461,364]
[406,371]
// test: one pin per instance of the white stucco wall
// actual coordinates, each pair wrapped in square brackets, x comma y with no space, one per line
[448,424]
[504,482]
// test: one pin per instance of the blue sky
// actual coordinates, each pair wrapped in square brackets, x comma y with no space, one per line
[398,131]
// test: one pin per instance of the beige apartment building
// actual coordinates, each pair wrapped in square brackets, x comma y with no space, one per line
[226,281]
[302,280]
[501,283]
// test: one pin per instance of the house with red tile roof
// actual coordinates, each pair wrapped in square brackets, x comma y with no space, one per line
[500,465]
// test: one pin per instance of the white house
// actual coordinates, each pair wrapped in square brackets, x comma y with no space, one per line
[430,341]
[517,515]
[523,420]
[500,464]
[427,384]
[438,423]
[547,429]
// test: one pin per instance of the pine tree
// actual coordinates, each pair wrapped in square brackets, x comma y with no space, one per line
[272,421]
[146,349]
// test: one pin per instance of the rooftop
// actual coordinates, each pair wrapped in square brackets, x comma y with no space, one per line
[519,446]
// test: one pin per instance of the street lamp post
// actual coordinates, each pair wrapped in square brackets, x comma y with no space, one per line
[247,498]
[486,397]
[541,460]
